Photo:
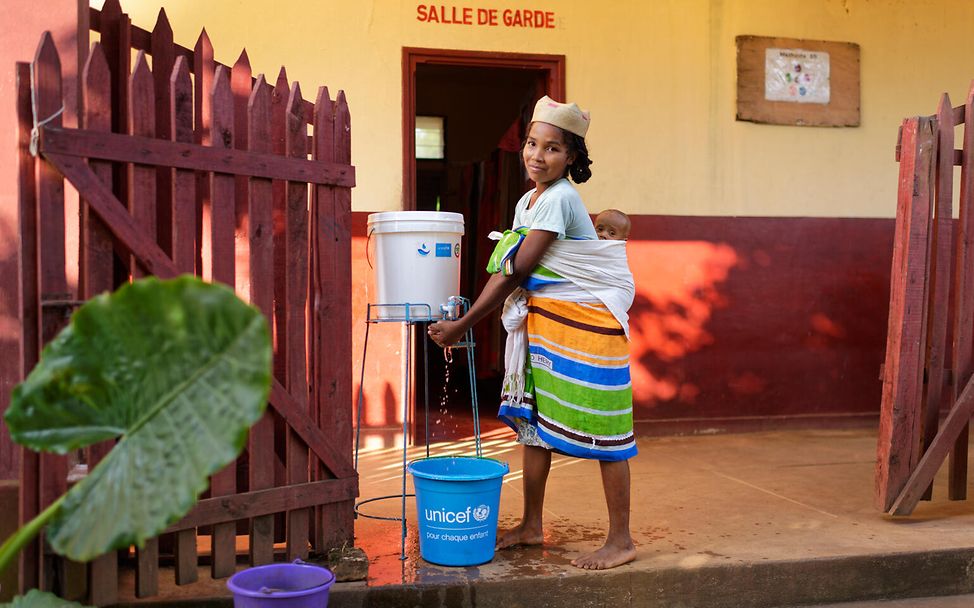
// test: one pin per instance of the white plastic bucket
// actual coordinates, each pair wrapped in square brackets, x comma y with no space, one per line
[417,260]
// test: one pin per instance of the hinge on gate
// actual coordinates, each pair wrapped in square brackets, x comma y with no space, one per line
[77,472]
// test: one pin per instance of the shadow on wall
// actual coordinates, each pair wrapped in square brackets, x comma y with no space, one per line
[738,317]
[20,45]
[9,342]
[383,368]
[671,313]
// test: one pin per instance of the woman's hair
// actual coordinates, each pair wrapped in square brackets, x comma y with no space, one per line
[578,170]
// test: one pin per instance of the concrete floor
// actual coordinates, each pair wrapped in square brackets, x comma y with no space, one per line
[761,519]
[954,601]
[757,520]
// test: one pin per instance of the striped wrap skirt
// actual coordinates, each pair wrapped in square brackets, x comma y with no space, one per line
[578,392]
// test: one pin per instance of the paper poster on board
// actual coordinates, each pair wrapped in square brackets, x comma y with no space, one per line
[796,75]
[790,81]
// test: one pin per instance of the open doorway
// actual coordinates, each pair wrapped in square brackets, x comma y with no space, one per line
[482,101]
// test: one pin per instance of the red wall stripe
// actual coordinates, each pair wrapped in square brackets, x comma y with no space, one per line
[740,318]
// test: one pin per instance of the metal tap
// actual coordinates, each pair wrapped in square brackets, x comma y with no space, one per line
[453,309]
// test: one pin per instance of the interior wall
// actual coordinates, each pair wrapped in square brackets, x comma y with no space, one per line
[478,103]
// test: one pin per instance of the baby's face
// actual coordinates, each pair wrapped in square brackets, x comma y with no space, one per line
[611,227]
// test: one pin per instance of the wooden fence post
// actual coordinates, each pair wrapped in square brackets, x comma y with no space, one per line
[279,98]
[163,60]
[222,225]
[898,441]
[344,520]
[97,260]
[142,205]
[184,228]
[116,39]
[296,271]
[261,253]
[203,70]
[332,305]
[54,293]
[185,249]
[939,276]
[30,557]
[963,361]
[240,83]
[141,179]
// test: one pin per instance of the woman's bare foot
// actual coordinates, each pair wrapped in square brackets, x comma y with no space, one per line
[521,534]
[608,556]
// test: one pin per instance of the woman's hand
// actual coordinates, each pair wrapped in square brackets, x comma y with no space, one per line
[499,286]
[446,333]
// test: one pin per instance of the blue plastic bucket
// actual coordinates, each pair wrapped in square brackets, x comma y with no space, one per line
[457,499]
[297,585]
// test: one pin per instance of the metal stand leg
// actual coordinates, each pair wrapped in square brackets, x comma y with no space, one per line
[361,392]
[409,324]
[426,386]
[473,394]
[407,345]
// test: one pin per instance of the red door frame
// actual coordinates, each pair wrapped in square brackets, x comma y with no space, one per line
[554,65]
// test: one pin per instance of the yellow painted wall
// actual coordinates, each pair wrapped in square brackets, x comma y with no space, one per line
[658,76]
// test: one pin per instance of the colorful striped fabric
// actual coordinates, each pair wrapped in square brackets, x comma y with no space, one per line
[540,278]
[578,391]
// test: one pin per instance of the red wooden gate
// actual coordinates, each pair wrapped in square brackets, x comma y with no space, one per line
[240,195]
[931,300]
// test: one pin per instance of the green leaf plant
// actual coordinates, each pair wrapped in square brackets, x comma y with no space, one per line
[40,599]
[176,371]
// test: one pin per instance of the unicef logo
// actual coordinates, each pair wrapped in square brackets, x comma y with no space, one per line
[481,513]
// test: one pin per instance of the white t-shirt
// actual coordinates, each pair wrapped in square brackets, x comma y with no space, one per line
[559,209]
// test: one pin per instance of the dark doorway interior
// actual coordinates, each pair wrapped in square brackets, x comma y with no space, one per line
[485,110]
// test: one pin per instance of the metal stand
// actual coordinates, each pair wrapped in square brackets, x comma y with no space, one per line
[415,315]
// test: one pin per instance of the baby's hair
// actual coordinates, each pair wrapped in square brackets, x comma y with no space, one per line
[578,170]
[626,222]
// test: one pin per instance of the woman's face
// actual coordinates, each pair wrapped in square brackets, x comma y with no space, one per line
[545,153]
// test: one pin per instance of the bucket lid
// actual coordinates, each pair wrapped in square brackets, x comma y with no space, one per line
[458,468]
[415,221]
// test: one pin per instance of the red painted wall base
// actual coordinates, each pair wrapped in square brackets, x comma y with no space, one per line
[735,319]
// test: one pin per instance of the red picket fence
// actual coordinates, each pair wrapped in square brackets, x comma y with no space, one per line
[240,195]
[930,344]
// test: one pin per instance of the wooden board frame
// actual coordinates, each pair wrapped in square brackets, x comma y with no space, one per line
[842,110]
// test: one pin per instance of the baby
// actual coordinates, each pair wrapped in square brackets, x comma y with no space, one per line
[612,225]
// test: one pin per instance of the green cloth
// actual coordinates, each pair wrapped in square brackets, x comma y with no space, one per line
[501,260]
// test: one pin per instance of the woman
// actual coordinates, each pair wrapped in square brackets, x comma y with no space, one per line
[567,386]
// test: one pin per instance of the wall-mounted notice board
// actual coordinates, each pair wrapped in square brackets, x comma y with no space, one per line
[786,81]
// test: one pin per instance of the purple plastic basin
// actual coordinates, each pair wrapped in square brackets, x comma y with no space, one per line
[297,585]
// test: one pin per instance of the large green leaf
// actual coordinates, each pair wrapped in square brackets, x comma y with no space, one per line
[178,370]
[40,599]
